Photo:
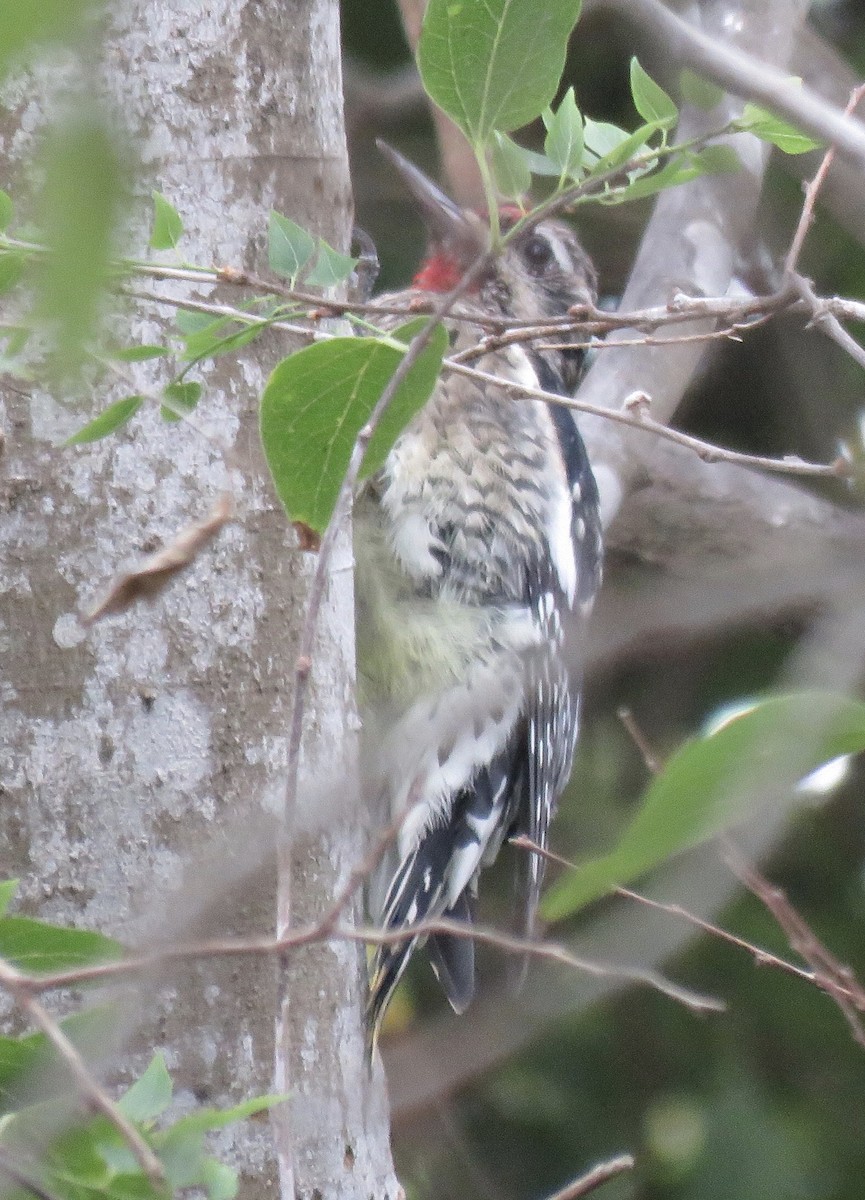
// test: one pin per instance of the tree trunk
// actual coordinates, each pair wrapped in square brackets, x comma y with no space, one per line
[141,762]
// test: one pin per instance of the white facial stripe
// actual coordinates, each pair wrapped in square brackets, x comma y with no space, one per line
[561,251]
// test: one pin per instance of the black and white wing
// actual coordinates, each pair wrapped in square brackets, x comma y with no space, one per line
[561,592]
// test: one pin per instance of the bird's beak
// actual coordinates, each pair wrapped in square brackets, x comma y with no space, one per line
[450,227]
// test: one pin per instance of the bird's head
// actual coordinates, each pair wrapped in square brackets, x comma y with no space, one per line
[538,274]
[544,271]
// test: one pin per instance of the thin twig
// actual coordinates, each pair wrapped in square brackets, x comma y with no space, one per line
[832,976]
[842,986]
[18,985]
[227,310]
[638,418]
[812,191]
[680,307]
[593,1179]
[745,75]
[549,951]
[727,334]
[326,930]
[653,763]
[761,956]
[824,320]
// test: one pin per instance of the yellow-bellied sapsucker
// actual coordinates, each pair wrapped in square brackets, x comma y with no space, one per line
[478,556]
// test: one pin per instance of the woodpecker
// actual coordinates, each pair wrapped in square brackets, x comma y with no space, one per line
[478,557]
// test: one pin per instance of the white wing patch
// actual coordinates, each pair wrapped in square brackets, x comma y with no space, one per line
[561,542]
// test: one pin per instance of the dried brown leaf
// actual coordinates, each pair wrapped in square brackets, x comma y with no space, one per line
[146,581]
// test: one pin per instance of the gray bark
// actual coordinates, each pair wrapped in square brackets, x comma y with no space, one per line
[141,762]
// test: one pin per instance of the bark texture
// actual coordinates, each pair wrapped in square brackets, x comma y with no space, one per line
[141,762]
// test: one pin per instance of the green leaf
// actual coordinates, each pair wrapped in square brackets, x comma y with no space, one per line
[289,248]
[11,270]
[494,64]
[25,24]
[7,211]
[30,1067]
[511,173]
[713,160]
[188,320]
[717,160]
[678,170]
[35,946]
[139,353]
[112,418]
[131,1184]
[563,143]
[203,1120]
[19,1062]
[76,1160]
[167,225]
[181,1148]
[410,398]
[716,781]
[769,128]
[150,1095]
[651,101]
[699,91]
[218,1180]
[610,146]
[80,203]
[331,267]
[202,338]
[539,164]
[182,1156]
[16,338]
[317,401]
[205,345]
[622,148]
[183,396]
[8,888]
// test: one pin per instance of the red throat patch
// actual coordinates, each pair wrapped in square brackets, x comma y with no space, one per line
[440,273]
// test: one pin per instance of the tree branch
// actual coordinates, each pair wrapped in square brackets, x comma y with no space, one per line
[747,75]
[18,985]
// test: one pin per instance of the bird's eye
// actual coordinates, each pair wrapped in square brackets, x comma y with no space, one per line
[538,253]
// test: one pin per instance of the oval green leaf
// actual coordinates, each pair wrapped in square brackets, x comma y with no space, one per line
[699,91]
[317,401]
[331,267]
[114,417]
[167,225]
[80,202]
[716,781]
[11,270]
[289,248]
[35,946]
[650,100]
[769,128]
[139,353]
[150,1095]
[494,64]
[563,143]
[7,211]
[511,172]
[182,399]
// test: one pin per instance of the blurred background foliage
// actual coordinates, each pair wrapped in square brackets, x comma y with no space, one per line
[767,1101]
